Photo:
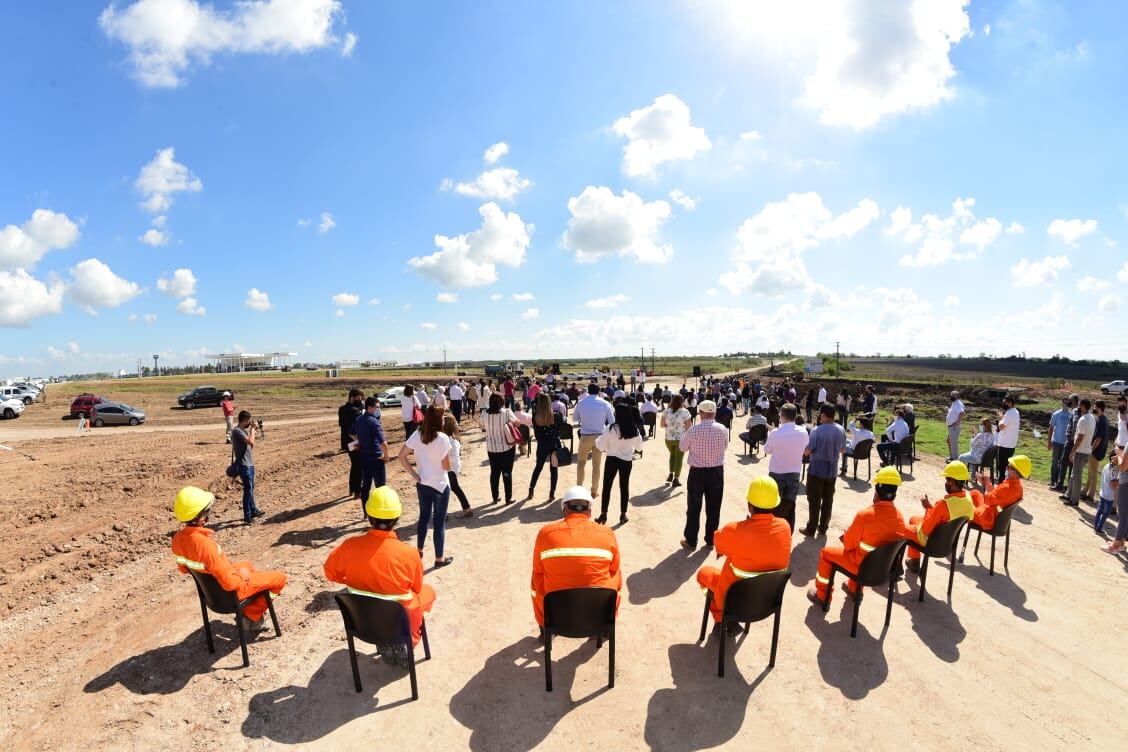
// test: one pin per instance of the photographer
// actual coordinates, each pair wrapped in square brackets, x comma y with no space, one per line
[242,447]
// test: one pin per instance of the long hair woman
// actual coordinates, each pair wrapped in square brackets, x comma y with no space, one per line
[431,448]
[497,422]
[408,404]
[548,441]
[450,428]
[676,420]
[618,442]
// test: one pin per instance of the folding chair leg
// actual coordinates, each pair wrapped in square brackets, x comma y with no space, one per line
[411,668]
[978,537]
[705,616]
[889,601]
[426,644]
[951,573]
[242,637]
[923,578]
[829,590]
[1006,551]
[352,660]
[611,658]
[992,571]
[273,616]
[857,608]
[721,648]
[547,661]
[207,627]
[775,637]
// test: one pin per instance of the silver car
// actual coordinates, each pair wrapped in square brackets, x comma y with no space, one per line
[115,414]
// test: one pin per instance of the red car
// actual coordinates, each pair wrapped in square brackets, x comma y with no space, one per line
[84,403]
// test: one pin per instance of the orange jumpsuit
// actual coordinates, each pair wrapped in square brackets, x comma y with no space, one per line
[195,549]
[999,498]
[759,544]
[574,552]
[379,565]
[872,527]
[949,508]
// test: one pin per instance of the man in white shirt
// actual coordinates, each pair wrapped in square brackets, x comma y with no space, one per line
[438,399]
[456,396]
[861,430]
[785,446]
[1122,421]
[897,431]
[1007,439]
[956,412]
[822,394]
[1080,451]
[649,407]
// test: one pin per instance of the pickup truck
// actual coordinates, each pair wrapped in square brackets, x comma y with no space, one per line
[202,396]
[1114,387]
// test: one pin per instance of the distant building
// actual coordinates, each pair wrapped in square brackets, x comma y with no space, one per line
[239,362]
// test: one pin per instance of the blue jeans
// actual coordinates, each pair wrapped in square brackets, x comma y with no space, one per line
[373,472]
[1057,464]
[432,505]
[247,475]
[1102,513]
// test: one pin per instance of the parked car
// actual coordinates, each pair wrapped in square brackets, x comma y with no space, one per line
[391,398]
[116,414]
[84,404]
[15,392]
[202,396]
[1115,387]
[11,408]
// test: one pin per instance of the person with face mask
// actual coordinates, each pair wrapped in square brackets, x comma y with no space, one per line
[346,418]
[955,418]
[368,431]
[957,502]
[1056,443]
[1008,437]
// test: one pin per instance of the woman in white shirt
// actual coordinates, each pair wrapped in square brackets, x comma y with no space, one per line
[409,403]
[432,449]
[618,442]
[676,420]
[450,428]
[500,446]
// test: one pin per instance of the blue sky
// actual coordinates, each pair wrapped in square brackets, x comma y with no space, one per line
[921,177]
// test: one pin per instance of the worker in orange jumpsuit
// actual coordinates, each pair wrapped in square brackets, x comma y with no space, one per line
[754,546]
[379,565]
[872,528]
[956,503]
[574,553]
[195,549]
[997,498]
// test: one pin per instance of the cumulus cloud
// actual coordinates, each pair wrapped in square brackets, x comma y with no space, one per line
[1091,284]
[148,318]
[190,307]
[658,133]
[496,296]
[24,298]
[257,300]
[611,301]
[180,285]
[530,314]
[345,299]
[429,326]
[446,297]
[348,45]
[94,285]
[495,152]
[1071,230]
[679,197]
[463,326]
[951,302]
[603,223]
[1109,303]
[167,37]
[21,247]
[1028,273]
[154,237]
[338,313]
[373,301]
[522,296]
[935,236]
[501,183]
[162,178]
[471,260]
[326,224]
[750,136]
[1014,228]
[982,234]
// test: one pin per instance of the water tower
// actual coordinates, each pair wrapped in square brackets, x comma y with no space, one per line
[156,370]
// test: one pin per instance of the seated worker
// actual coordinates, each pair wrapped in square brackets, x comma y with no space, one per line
[195,549]
[956,503]
[757,545]
[649,407]
[378,564]
[861,429]
[995,499]
[574,552]
[872,527]
[755,419]
[894,435]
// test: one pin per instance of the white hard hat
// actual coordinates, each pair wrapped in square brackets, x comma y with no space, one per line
[576,494]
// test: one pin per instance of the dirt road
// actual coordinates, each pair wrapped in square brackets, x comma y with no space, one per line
[14,433]
[104,648]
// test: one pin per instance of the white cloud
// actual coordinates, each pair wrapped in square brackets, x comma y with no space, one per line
[1072,230]
[166,37]
[495,152]
[190,307]
[181,285]
[612,301]
[429,326]
[55,354]
[1109,303]
[345,299]
[338,313]
[987,30]
[1014,228]
[679,197]
[95,286]
[522,296]
[471,260]
[326,224]
[982,234]
[73,348]
[951,302]
[162,178]
[24,298]
[501,183]
[373,301]
[658,133]
[530,314]
[750,136]
[257,300]
[154,237]
[348,45]
[463,326]
[496,296]
[446,297]
[1090,284]
[303,222]
[1028,273]
[937,236]
[22,247]
[604,223]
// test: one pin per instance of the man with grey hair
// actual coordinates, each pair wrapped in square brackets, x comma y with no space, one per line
[704,446]
[956,413]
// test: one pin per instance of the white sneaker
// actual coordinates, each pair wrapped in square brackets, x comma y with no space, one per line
[259,626]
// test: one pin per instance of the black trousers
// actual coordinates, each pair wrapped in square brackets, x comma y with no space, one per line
[456,489]
[611,467]
[544,457]
[501,467]
[820,502]
[708,484]
[1002,457]
[355,468]
[456,408]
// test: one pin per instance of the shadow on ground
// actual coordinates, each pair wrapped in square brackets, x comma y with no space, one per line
[667,576]
[855,666]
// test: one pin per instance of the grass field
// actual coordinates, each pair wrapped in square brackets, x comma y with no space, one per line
[958,371]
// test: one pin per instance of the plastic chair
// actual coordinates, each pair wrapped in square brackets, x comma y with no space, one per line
[905,453]
[757,435]
[1000,530]
[379,622]
[941,544]
[749,600]
[986,461]
[863,450]
[580,612]
[213,596]
[650,420]
[880,566]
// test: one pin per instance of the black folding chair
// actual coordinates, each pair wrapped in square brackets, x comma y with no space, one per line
[757,435]
[986,461]
[880,566]
[580,612]
[379,622]
[749,600]
[863,450]
[941,545]
[650,420]
[905,453]
[213,596]
[1000,530]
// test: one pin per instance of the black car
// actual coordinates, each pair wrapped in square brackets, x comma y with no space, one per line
[202,396]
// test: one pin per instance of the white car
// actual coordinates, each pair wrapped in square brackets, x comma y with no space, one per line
[11,408]
[392,397]
[15,392]
[1115,387]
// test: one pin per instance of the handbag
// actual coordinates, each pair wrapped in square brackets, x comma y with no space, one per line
[417,416]
[232,469]
[512,435]
[561,457]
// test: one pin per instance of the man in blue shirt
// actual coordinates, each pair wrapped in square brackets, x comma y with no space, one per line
[591,414]
[368,431]
[1058,438]
[824,448]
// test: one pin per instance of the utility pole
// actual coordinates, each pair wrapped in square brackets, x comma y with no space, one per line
[653,366]
[837,368]
[444,360]
[642,352]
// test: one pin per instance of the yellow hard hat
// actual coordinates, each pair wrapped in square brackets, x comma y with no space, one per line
[1022,464]
[887,476]
[763,493]
[190,501]
[956,470]
[383,504]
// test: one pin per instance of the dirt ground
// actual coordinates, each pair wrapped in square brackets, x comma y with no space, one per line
[103,646]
